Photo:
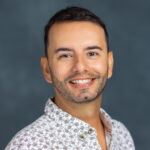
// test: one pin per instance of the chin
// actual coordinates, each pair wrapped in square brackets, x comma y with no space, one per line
[85,99]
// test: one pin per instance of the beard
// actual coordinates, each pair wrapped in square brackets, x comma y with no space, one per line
[84,96]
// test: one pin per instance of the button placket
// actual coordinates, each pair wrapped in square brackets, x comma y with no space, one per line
[90,131]
[82,135]
[85,134]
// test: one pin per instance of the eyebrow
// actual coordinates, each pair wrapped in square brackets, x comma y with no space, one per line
[93,47]
[63,49]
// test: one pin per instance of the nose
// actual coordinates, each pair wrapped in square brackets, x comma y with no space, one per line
[80,65]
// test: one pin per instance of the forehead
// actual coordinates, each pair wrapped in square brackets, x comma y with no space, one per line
[77,33]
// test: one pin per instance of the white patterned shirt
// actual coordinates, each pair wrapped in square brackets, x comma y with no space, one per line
[58,130]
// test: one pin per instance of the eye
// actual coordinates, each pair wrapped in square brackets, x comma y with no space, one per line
[65,56]
[92,53]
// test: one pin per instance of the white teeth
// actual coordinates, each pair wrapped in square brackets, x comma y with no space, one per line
[81,81]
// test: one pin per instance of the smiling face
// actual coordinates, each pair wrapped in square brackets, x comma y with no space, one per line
[78,61]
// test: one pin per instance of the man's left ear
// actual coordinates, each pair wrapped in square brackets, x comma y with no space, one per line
[110,64]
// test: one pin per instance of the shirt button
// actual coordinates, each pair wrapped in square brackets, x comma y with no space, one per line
[90,131]
[82,136]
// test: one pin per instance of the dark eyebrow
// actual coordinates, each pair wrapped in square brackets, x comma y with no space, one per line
[62,49]
[93,47]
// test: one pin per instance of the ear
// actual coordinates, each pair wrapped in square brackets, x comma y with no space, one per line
[45,69]
[110,64]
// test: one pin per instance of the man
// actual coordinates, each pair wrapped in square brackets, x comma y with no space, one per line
[78,63]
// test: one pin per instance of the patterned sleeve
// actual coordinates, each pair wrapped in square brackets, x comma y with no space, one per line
[18,142]
[122,136]
[27,139]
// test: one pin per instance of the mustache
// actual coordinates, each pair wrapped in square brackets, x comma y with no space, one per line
[82,74]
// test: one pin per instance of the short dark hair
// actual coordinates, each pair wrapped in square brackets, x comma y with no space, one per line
[73,14]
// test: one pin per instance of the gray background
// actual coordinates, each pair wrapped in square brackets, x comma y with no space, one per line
[23,90]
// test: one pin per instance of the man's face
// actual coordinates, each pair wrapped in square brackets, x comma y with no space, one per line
[78,60]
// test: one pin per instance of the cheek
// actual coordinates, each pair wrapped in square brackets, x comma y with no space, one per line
[61,71]
[100,67]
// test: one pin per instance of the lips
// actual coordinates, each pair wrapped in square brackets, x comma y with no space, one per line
[81,83]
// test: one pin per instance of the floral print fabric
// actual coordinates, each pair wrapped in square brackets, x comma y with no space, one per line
[58,130]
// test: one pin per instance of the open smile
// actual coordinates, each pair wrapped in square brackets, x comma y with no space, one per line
[82,83]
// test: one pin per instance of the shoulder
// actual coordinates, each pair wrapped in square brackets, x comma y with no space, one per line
[30,136]
[121,135]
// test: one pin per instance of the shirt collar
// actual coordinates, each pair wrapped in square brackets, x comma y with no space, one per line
[66,119]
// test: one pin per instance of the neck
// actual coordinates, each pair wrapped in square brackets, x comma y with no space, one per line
[88,112]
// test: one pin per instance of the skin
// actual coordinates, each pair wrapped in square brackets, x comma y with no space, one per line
[78,51]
